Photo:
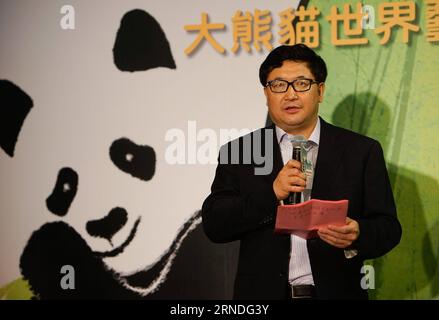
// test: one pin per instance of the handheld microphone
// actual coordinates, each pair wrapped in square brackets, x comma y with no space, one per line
[297,141]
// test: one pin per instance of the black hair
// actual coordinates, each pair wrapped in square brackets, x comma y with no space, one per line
[297,52]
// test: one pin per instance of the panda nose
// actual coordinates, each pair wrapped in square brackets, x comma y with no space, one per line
[109,225]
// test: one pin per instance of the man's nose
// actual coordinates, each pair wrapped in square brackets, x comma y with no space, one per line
[291,94]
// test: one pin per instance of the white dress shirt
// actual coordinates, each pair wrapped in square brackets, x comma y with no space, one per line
[300,267]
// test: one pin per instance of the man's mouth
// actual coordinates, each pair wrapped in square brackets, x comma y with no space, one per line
[292,109]
[121,248]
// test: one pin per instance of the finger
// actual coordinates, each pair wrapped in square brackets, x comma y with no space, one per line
[342,229]
[340,245]
[296,189]
[334,241]
[338,235]
[296,173]
[297,181]
[350,227]
[293,164]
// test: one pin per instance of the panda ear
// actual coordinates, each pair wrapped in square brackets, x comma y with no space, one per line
[15,105]
[141,44]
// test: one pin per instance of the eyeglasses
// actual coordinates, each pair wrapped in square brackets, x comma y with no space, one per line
[299,85]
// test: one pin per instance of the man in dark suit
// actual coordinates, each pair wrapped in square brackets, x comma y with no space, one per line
[337,164]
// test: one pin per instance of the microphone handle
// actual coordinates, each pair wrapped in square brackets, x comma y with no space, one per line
[295,197]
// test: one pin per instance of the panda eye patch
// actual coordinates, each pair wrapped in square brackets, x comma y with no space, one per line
[63,193]
[136,160]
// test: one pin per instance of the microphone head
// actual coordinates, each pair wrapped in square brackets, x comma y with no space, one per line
[298,140]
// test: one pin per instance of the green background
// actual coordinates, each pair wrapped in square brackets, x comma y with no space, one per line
[390,93]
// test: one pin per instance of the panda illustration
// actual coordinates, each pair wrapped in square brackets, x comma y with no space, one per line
[78,154]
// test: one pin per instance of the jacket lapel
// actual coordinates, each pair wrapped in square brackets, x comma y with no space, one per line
[328,161]
[275,153]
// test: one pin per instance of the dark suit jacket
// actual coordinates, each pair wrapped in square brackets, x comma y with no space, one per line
[242,206]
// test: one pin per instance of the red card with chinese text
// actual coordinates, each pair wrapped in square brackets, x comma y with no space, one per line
[304,219]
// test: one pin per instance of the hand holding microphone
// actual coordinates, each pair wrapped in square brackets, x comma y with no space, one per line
[295,197]
[291,181]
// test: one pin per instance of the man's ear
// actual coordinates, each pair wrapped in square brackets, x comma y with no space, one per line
[266,95]
[321,91]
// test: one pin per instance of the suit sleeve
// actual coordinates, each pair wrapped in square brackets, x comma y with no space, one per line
[380,230]
[228,213]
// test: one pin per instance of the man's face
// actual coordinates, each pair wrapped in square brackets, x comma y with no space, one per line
[294,112]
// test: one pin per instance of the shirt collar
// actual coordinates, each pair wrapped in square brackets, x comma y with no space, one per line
[314,137]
